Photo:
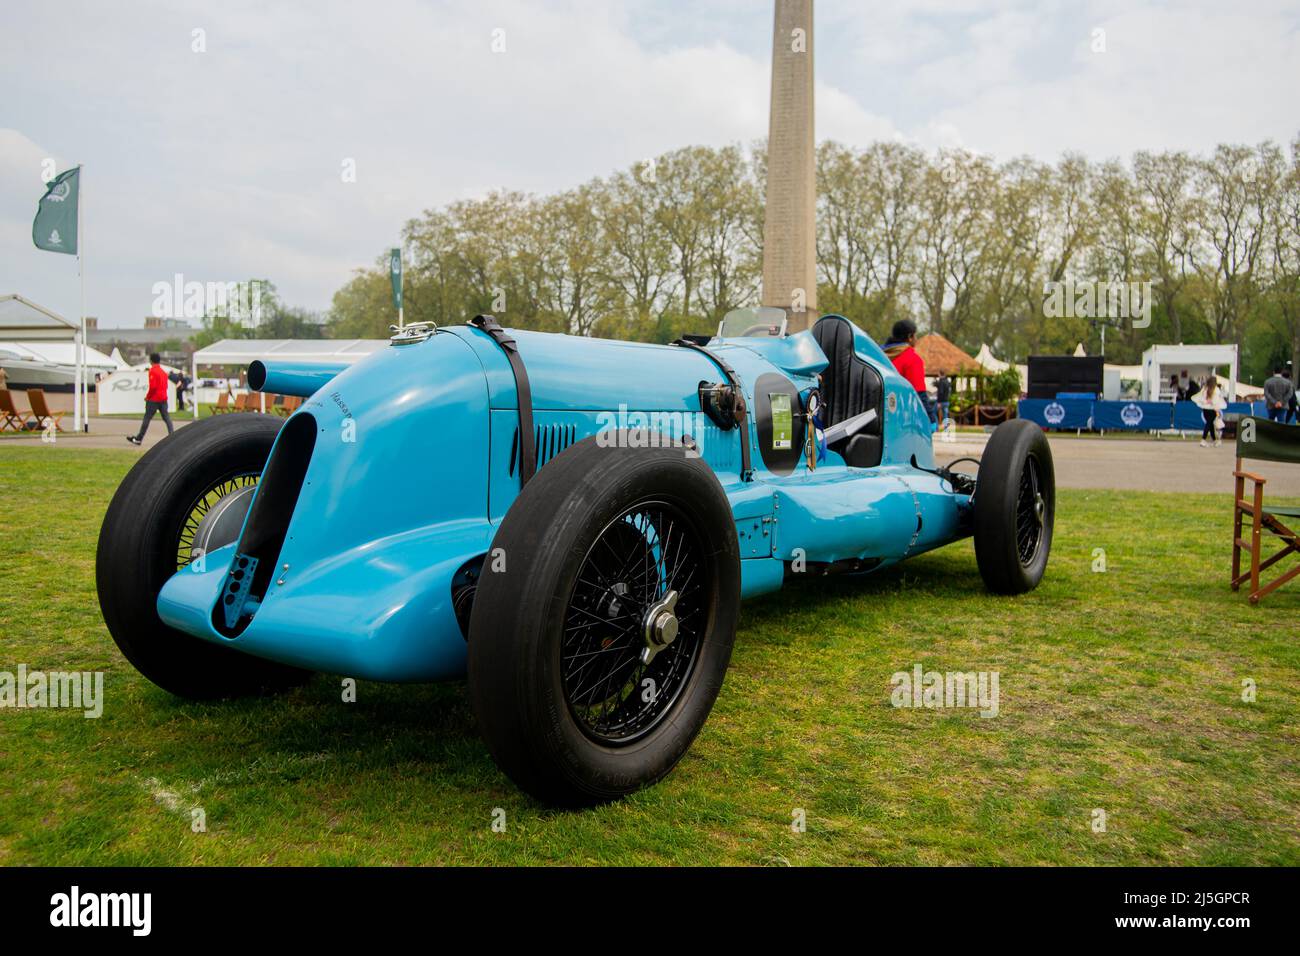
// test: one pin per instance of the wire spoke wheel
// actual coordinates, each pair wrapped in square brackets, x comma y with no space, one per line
[199,509]
[619,679]
[1030,508]
[599,644]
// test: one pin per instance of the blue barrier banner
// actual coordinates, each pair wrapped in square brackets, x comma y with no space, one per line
[1056,413]
[1133,416]
[1187,417]
[1247,408]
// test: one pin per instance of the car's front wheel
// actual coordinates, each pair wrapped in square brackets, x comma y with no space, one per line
[604,620]
[186,496]
[1015,508]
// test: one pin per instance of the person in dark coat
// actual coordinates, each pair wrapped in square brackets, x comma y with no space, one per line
[942,393]
[1279,395]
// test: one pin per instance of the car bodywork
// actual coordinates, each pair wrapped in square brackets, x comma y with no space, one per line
[383,492]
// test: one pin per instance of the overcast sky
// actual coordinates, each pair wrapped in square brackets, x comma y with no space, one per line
[228,163]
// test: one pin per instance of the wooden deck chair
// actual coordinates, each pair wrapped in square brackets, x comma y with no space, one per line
[1262,440]
[291,404]
[41,411]
[223,404]
[241,403]
[10,415]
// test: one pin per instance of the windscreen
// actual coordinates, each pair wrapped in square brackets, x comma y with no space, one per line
[764,320]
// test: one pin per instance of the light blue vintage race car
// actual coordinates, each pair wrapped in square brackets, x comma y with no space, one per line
[572,521]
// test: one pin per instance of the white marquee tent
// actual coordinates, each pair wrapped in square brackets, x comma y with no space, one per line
[992,363]
[23,319]
[987,359]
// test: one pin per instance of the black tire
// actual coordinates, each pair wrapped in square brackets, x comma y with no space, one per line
[1015,508]
[140,547]
[533,622]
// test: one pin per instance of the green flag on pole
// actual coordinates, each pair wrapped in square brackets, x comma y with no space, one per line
[395,273]
[55,227]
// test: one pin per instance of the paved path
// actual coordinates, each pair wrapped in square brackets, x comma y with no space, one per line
[104,433]
[1122,464]
[1138,464]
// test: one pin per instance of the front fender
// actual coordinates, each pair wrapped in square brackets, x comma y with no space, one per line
[380,611]
[392,501]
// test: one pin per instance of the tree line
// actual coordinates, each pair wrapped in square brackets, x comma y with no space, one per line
[967,246]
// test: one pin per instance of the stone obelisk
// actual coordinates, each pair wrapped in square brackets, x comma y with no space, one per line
[789,222]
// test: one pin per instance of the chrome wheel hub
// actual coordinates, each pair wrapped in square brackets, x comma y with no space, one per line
[660,628]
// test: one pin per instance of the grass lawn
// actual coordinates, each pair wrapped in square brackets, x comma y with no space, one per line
[1120,691]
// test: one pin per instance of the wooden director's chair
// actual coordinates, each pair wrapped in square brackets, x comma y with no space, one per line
[1262,440]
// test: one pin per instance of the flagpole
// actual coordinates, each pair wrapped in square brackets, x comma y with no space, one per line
[81,237]
[76,375]
[80,402]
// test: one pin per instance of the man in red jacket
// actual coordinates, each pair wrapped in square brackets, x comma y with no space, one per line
[901,349]
[155,399]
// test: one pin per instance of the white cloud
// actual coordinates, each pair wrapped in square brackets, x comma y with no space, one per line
[1166,80]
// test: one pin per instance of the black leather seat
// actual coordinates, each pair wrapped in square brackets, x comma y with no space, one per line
[849,387]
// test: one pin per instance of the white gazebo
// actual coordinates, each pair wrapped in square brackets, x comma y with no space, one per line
[1200,361]
[244,351]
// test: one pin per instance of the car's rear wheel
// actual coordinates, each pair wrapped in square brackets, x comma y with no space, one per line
[184,497]
[604,621]
[1015,508]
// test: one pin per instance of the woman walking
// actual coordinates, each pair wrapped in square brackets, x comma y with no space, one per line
[1212,404]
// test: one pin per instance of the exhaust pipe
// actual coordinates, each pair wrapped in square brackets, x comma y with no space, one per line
[302,379]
